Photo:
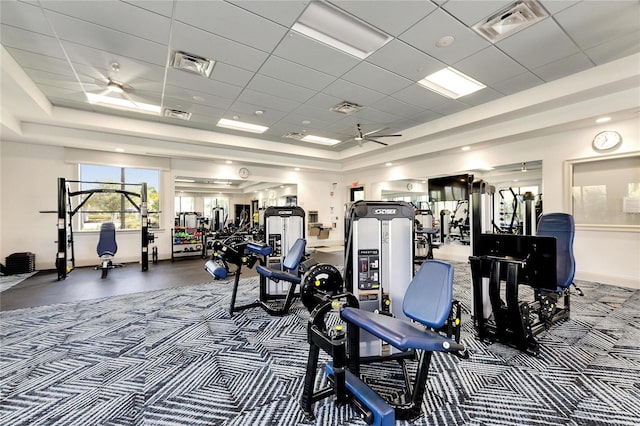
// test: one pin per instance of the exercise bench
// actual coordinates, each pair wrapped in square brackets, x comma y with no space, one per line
[107,248]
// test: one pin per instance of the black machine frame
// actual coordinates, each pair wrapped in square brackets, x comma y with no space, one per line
[66,213]
[514,260]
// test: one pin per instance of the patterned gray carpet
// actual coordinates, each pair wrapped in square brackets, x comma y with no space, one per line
[174,357]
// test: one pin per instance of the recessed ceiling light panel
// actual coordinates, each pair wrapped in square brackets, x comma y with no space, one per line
[336,28]
[511,19]
[451,83]
[320,139]
[239,125]
[122,103]
[192,63]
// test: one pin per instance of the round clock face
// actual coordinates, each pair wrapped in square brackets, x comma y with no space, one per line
[243,172]
[409,186]
[606,140]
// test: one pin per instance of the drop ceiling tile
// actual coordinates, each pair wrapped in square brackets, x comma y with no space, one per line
[425,116]
[542,43]
[490,66]
[615,49]
[161,7]
[375,116]
[280,88]
[295,73]
[592,23]
[396,107]
[563,67]
[324,101]
[266,101]
[98,37]
[30,41]
[246,112]
[450,107]
[372,76]
[480,97]
[206,99]
[427,32]
[404,60]
[419,96]
[319,113]
[25,16]
[353,92]
[555,6]
[116,15]
[231,75]
[68,81]
[198,42]
[310,53]
[295,122]
[282,12]
[231,22]
[35,61]
[200,84]
[471,12]
[518,83]
[391,16]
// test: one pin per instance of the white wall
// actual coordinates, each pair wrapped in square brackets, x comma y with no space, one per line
[609,256]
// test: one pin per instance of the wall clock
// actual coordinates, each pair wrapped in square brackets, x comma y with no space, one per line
[606,140]
[243,172]
[409,186]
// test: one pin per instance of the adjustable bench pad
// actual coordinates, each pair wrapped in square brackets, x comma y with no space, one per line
[399,333]
[276,274]
[383,413]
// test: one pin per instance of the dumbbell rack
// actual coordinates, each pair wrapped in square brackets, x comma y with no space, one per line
[185,242]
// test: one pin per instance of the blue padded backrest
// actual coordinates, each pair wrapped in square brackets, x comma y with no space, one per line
[430,294]
[293,258]
[562,227]
[107,242]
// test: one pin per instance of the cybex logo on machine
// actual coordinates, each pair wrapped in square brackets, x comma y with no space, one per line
[384,211]
[285,212]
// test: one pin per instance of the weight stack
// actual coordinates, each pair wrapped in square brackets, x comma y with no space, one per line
[20,263]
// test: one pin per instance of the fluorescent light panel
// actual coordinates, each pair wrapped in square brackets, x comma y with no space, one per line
[124,104]
[320,139]
[451,83]
[239,125]
[329,25]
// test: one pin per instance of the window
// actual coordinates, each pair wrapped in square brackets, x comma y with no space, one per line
[185,204]
[113,206]
[606,192]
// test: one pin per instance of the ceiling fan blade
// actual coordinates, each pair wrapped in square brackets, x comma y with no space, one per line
[373,140]
[386,136]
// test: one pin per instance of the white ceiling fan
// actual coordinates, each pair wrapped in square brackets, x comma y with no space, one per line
[370,136]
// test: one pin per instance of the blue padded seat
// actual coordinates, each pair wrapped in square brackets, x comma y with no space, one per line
[562,227]
[427,301]
[262,250]
[107,242]
[290,265]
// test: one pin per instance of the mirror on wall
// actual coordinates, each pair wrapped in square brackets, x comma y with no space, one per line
[447,198]
[228,201]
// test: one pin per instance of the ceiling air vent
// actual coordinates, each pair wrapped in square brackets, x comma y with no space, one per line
[294,135]
[180,115]
[192,63]
[346,108]
[511,19]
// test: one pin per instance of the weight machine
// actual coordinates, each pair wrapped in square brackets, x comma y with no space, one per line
[66,263]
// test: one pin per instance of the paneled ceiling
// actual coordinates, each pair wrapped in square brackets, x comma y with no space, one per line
[268,74]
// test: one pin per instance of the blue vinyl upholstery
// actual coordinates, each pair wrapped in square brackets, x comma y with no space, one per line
[290,264]
[562,227]
[427,301]
[430,294]
[107,242]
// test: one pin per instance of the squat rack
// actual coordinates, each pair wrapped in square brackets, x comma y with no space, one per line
[66,213]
